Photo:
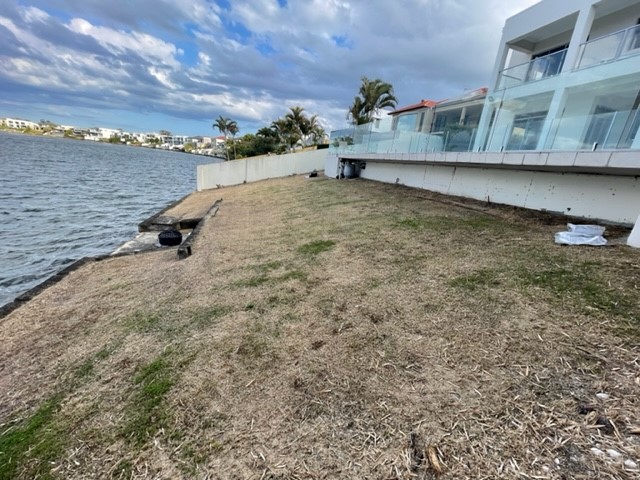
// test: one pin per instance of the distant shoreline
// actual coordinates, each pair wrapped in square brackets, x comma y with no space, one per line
[135,145]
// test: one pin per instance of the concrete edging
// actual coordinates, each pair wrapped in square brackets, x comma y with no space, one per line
[185,249]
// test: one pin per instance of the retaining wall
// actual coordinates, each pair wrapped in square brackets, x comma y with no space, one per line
[252,169]
[599,187]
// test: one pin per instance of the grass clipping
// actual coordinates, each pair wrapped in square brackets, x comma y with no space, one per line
[333,329]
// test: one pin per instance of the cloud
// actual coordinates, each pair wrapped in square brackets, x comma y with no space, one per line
[248,60]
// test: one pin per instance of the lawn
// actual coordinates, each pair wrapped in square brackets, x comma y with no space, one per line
[329,329]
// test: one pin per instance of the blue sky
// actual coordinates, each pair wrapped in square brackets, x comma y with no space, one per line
[145,65]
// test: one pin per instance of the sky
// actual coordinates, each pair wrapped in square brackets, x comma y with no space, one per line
[177,65]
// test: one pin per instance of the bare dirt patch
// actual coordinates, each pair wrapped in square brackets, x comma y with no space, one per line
[333,329]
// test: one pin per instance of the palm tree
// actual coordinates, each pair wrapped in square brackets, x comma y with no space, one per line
[232,128]
[224,125]
[314,129]
[374,95]
[267,132]
[283,129]
[355,114]
[299,123]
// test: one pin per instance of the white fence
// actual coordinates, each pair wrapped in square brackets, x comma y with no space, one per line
[253,169]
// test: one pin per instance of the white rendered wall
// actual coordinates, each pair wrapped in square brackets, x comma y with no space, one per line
[617,21]
[235,172]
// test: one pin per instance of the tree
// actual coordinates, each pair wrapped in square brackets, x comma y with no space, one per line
[282,128]
[232,128]
[315,131]
[222,124]
[355,114]
[298,124]
[374,95]
[267,132]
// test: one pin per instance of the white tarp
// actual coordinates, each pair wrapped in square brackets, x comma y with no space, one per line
[582,235]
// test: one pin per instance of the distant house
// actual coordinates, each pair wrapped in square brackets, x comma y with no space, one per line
[416,117]
[451,123]
[566,77]
[19,124]
[101,134]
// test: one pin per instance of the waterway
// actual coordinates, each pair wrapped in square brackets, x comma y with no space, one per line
[61,200]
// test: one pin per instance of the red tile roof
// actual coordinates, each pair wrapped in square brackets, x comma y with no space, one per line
[432,103]
[415,106]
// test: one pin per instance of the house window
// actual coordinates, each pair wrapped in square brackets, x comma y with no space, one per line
[632,124]
[525,131]
[635,37]
[599,127]
[547,63]
[406,123]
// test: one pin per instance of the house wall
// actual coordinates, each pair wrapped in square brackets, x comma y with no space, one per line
[253,169]
[553,42]
[620,20]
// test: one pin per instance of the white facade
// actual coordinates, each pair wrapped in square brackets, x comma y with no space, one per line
[19,124]
[236,172]
[566,77]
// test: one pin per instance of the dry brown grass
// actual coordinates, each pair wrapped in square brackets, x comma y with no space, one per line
[327,329]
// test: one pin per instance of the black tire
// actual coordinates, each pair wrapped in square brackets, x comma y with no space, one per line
[170,238]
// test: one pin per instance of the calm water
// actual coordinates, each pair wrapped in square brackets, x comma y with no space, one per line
[61,200]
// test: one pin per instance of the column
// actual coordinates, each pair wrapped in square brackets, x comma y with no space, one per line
[580,34]
[557,105]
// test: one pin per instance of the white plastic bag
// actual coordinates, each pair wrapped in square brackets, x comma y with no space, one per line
[589,230]
[574,238]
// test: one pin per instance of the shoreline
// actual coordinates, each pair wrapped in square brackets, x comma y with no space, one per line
[136,145]
[144,246]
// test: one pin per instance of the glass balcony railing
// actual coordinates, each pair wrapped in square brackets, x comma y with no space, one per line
[364,139]
[599,131]
[537,69]
[610,47]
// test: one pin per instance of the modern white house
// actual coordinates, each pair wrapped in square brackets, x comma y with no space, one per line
[451,124]
[19,124]
[558,129]
[566,77]
[448,125]
[98,134]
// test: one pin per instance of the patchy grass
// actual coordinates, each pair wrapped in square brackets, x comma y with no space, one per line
[314,248]
[208,316]
[269,266]
[268,276]
[146,413]
[476,280]
[85,369]
[580,283]
[448,224]
[431,325]
[145,322]
[29,448]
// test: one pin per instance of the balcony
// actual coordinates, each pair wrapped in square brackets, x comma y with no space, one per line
[537,69]
[610,48]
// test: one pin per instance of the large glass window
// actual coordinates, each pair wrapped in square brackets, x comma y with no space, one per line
[525,132]
[599,127]
[546,64]
[406,123]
